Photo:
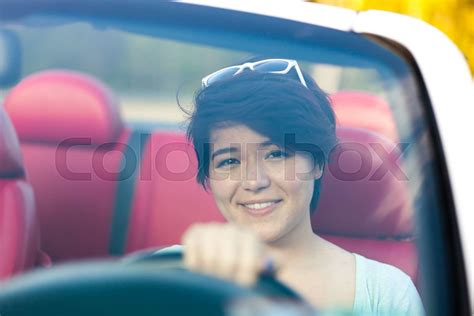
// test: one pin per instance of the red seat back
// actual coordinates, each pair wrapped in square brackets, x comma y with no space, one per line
[72,136]
[168,199]
[19,234]
[364,110]
[364,205]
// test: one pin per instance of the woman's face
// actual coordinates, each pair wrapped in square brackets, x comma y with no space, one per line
[258,185]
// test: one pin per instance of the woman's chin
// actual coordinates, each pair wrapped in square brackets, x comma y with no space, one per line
[268,231]
[268,235]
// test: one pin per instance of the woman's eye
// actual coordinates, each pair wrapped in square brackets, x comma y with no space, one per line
[227,162]
[277,154]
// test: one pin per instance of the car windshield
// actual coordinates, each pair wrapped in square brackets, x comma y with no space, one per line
[380,186]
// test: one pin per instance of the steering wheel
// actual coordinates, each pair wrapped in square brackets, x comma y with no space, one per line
[149,285]
[266,285]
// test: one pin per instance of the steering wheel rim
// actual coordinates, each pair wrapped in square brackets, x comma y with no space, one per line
[108,288]
[131,287]
[266,284]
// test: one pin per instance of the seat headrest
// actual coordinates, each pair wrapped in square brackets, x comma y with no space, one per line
[364,110]
[364,190]
[54,105]
[11,163]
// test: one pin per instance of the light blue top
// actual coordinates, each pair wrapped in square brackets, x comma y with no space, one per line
[381,289]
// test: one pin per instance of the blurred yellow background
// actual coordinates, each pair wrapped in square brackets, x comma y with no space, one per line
[454,17]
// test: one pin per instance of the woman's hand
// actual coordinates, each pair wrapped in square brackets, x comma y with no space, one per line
[226,251]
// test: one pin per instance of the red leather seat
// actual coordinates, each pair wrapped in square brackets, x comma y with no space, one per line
[19,234]
[72,137]
[364,212]
[372,218]
[168,199]
[364,110]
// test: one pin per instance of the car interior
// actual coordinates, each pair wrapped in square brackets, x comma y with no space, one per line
[19,234]
[82,219]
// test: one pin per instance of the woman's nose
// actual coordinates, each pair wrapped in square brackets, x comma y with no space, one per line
[255,177]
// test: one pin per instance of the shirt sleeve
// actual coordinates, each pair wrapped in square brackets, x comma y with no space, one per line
[170,249]
[400,296]
[382,289]
[409,302]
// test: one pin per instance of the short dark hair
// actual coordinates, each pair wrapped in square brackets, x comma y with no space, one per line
[272,105]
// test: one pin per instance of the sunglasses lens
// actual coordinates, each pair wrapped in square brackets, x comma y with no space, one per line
[222,74]
[271,66]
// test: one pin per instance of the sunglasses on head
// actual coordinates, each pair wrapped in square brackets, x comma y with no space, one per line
[273,66]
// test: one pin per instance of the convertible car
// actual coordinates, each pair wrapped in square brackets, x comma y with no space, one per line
[96,172]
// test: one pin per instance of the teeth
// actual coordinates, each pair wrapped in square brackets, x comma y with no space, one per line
[258,206]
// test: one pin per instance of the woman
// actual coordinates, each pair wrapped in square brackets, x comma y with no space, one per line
[262,132]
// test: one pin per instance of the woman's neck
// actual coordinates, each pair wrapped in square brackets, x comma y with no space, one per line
[294,247]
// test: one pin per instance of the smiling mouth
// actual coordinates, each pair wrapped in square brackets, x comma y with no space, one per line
[261,208]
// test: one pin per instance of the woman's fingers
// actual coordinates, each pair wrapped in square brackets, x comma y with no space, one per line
[228,255]
[189,241]
[208,254]
[248,267]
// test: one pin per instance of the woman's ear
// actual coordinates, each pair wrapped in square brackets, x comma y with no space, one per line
[207,185]
[317,171]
